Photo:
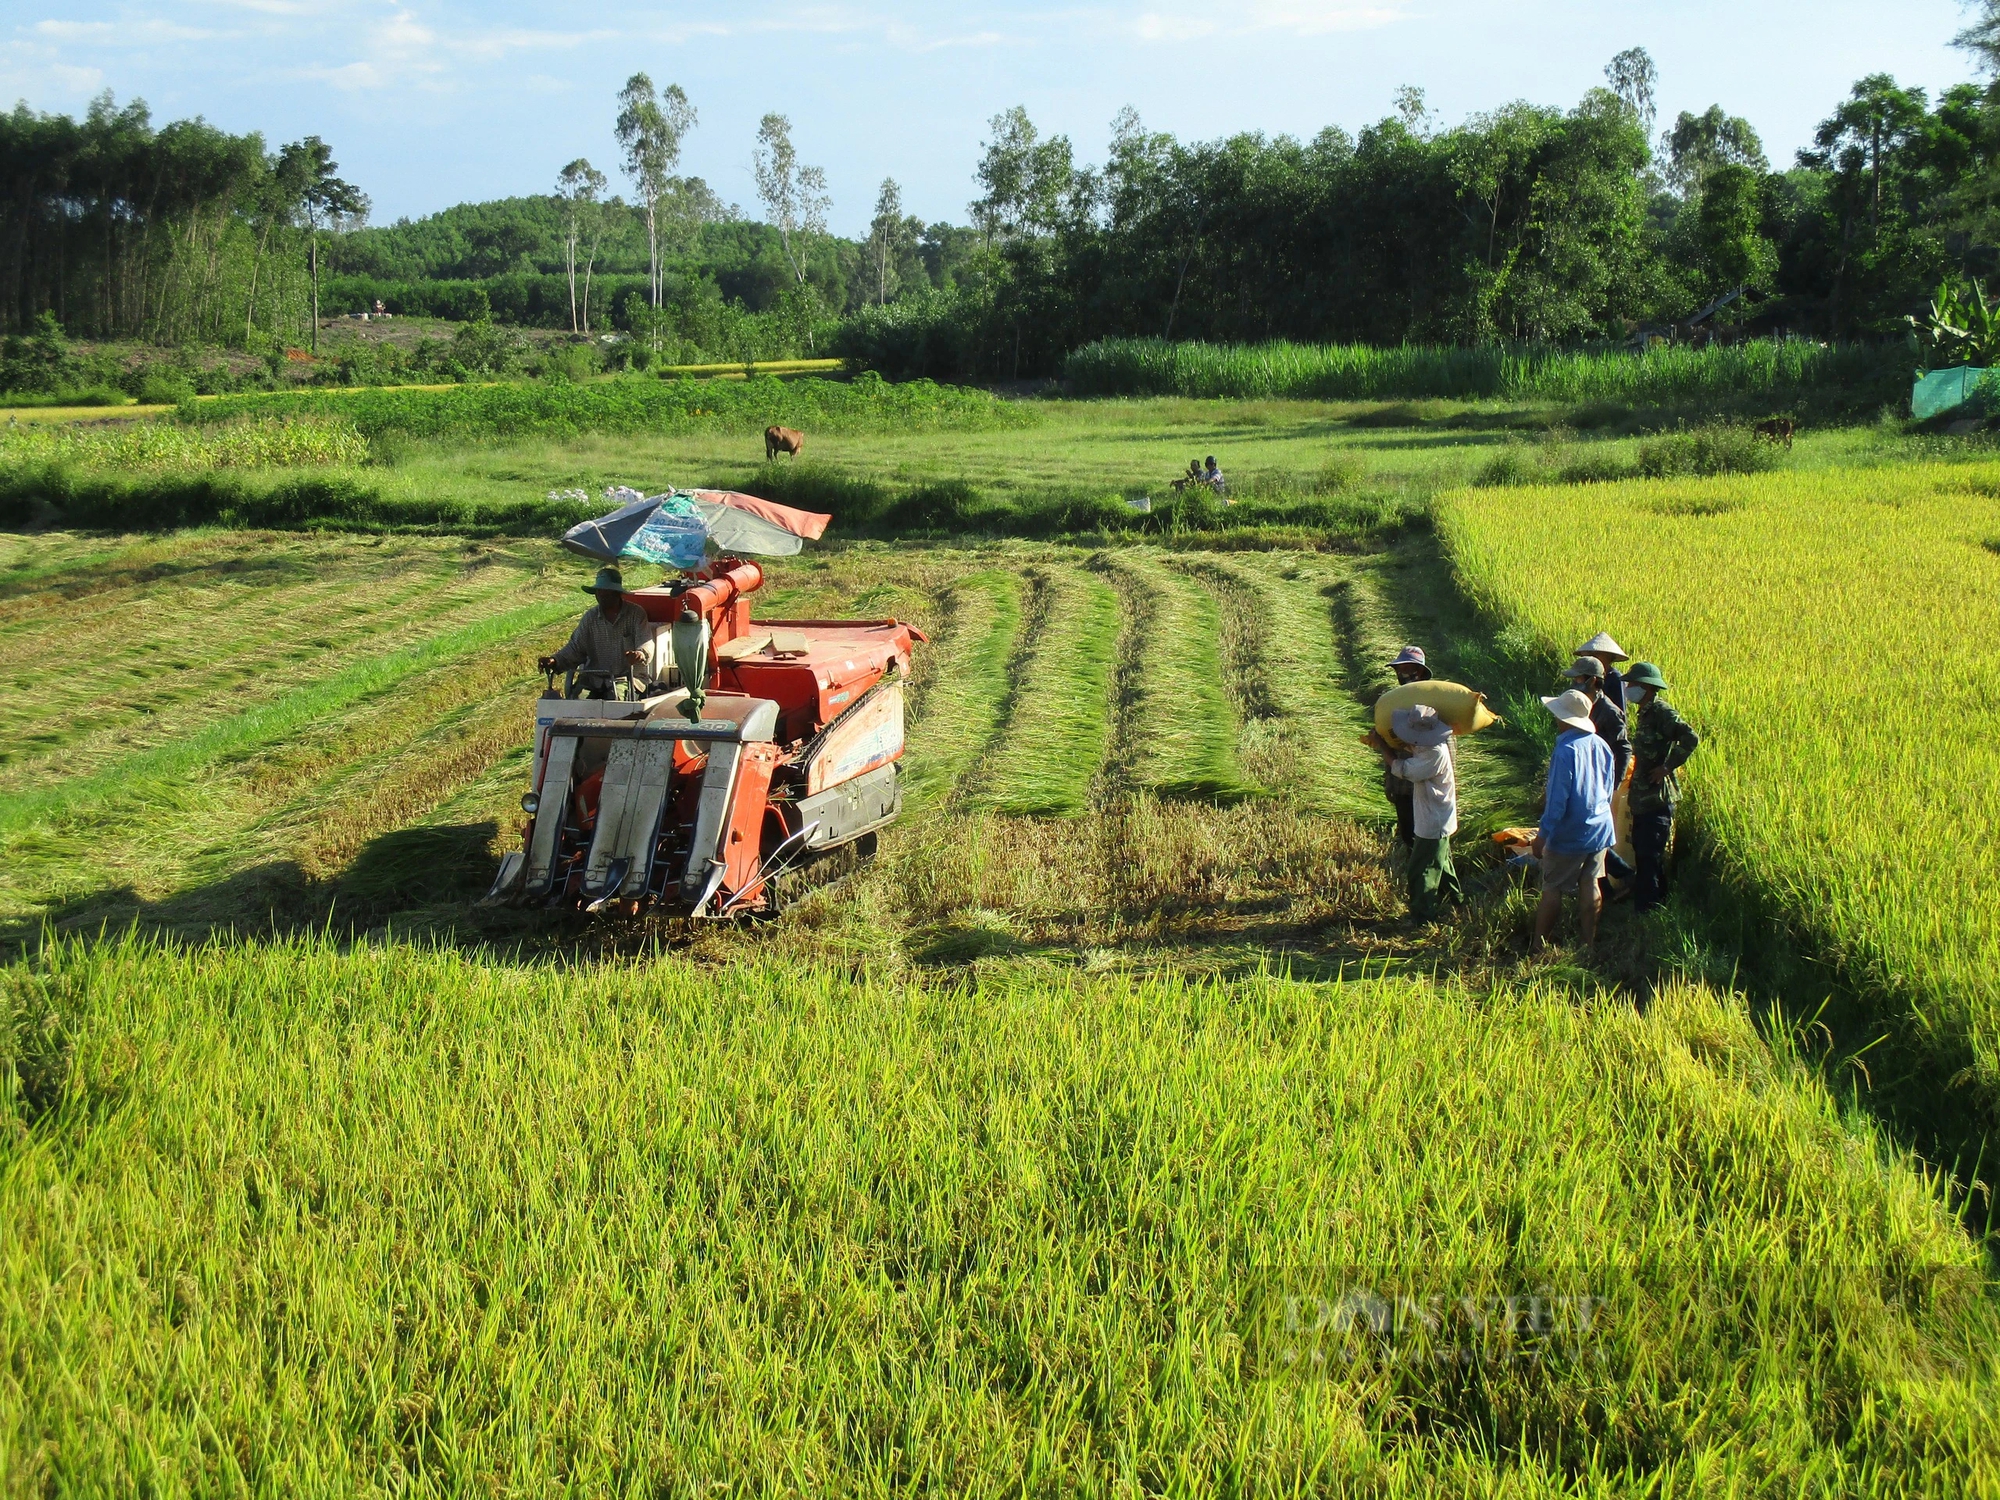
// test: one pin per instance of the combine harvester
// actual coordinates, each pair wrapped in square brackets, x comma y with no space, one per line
[755,748]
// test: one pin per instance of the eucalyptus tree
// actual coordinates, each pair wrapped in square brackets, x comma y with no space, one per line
[796,203]
[579,186]
[1699,144]
[324,201]
[889,237]
[1634,77]
[650,128]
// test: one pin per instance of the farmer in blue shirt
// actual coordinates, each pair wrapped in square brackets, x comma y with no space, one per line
[1576,821]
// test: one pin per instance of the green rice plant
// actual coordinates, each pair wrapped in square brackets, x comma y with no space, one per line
[1831,636]
[563,408]
[169,447]
[1176,732]
[1349,372]
[304,1218]
[1058,703]
[969,689]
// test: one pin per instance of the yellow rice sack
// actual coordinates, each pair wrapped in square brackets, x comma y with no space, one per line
[1460,707]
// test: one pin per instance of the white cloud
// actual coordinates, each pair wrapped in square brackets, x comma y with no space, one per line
[123,34]
[1295,17]
[909,39]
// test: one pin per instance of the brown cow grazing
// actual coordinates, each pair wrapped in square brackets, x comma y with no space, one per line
[783,440]
[1777,430]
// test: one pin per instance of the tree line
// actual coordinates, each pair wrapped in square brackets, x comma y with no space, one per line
[1529,223]
[180,234]
[1526,224]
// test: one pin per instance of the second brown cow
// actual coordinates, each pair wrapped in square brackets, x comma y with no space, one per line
[783,440]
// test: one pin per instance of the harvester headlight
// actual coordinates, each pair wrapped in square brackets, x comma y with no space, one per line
[531,803]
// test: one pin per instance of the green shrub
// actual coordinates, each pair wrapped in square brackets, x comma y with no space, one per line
[165,388]
[1588,465]
[1512,464]
[947,506]
[1714,448]
[852,501]
[96,395]
[561,408]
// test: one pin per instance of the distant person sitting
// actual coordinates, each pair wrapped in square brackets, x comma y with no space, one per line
[1192,477]
[1212,477]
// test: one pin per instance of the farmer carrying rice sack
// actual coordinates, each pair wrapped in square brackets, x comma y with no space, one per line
[1409,666]
[1430,770]
[1463,709]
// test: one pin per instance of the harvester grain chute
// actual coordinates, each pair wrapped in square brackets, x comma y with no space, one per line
[756,748]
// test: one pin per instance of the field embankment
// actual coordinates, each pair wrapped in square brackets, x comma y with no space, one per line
[1832,634]
[1856,375]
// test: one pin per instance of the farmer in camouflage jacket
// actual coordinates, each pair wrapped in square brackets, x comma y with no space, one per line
[1661,743]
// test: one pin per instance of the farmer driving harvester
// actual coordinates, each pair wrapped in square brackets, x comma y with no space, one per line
[607,642]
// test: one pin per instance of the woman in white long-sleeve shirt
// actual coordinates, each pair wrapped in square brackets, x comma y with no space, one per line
[1432,772]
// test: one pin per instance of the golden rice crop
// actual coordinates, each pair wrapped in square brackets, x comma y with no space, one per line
[156,447]
[1833,637]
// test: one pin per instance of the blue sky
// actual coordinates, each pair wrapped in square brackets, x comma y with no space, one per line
[434,102]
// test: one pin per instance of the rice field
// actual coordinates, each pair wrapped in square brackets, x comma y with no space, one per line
[1049,1151]
[1832,636]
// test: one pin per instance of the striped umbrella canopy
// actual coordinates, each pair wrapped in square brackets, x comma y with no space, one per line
[674,526]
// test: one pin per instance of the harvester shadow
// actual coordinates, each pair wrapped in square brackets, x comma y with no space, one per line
[421,882]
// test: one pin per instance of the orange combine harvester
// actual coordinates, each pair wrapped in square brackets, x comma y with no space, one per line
[766,745]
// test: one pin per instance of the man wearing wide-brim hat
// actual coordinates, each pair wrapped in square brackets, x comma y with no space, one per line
[608,641]
[1661,743]
[1576,826]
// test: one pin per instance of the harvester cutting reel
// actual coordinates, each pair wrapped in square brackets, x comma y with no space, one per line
[636,808]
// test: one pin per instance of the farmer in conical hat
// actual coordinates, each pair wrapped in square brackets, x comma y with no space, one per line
[1430,772]
[608,641]
[1661,743]
[1409,666]
[1609,653]
[1576,818]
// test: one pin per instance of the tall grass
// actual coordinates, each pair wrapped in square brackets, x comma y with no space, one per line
[289,1219]
[1351,372]
[1831,635]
